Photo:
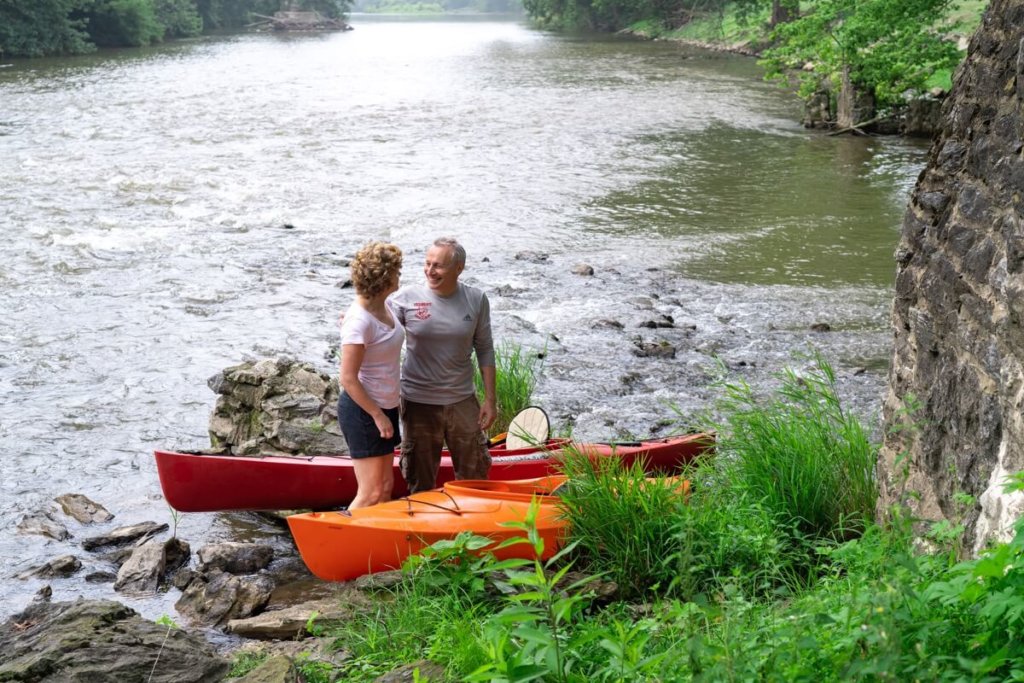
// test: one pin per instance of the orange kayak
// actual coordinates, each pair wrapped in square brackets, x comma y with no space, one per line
[338,547]
[341,547]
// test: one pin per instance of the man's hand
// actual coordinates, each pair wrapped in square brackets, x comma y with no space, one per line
[488,414]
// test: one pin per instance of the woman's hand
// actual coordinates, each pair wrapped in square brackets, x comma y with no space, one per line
[387,430]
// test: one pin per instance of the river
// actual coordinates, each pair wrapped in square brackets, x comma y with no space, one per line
[170,211]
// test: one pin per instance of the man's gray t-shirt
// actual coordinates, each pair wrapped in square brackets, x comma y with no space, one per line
[441,335]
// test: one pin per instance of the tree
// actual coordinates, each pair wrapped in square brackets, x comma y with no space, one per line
[877,48]
[122,23]
[179,18]
[41,27]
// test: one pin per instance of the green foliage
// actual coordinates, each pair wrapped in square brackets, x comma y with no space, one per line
[530,638]
[41,27]
[53,27]
[244,662]
[799,453]
[313,670]
[887,46]
[395,7]
[517,372]
[122,23]
[741,546]
[179,18]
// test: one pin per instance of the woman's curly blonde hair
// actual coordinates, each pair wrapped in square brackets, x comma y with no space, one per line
[374,266]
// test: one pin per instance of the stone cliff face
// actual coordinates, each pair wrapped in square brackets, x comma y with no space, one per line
[959,301]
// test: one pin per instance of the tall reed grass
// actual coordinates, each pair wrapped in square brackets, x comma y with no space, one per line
[622,522]
[517,374]
[799,453]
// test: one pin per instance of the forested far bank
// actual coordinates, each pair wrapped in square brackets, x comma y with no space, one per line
[438,6]
[853,62]
[69,27]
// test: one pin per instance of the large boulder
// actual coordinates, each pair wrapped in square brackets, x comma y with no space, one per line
[101,641]
[275,406]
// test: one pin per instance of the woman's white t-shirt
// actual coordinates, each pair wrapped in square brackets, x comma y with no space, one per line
[381,369]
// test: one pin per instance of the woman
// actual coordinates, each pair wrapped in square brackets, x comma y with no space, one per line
[371,344]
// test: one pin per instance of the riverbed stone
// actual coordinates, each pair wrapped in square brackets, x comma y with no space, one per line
[653,349]
[82,509]
[957,349]
[234,557]
[216,597]
[141,572]
[43,524]
[101,641]
[124,535]
[293,622]
[63,567]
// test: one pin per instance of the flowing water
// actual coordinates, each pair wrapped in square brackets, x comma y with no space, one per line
[169,212]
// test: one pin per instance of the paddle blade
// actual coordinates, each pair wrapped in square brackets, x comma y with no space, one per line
[528,428]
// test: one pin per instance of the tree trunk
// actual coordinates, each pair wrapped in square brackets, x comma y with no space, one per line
[853,106]
[782,12]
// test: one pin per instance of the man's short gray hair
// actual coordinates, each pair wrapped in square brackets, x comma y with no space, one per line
[458,251]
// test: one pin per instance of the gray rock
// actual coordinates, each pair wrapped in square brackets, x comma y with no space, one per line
[275,406]
[958,345]
[583,269]
[216,597]
[659,349]
[124,535]
[141,573]
[63,566]
[235,558]
[101,641]
[42,524]
[82,509]
[292,622]
[532,256]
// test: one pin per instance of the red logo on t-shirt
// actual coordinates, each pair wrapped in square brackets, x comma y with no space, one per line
[422,310]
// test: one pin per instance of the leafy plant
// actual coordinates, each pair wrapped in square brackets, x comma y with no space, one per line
[530,638]
[164,620]
[244,662]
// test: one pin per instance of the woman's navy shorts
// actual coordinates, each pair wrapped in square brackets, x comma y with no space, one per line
[361,431]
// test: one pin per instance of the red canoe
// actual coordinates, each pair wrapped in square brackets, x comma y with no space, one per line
[209,483]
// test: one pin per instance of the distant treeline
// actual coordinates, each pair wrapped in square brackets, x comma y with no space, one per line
[437,6]
[34,28]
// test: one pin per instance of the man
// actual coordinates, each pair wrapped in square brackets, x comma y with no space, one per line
[445,323]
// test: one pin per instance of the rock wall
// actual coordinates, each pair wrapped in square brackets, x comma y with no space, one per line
[959,300]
